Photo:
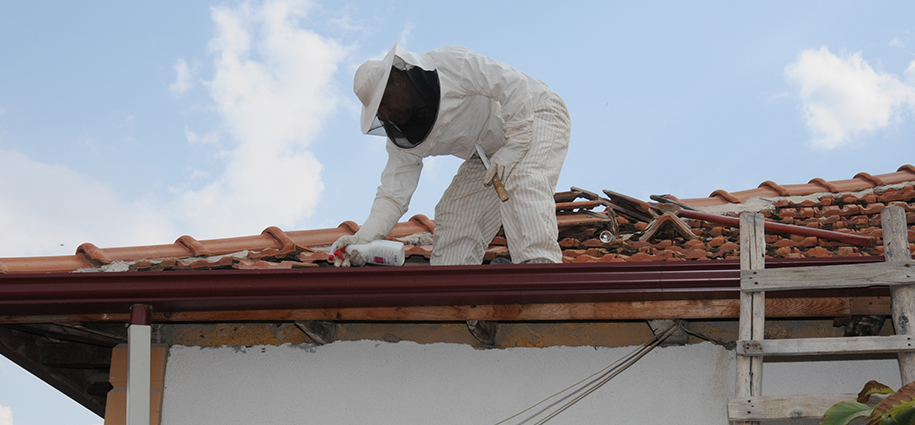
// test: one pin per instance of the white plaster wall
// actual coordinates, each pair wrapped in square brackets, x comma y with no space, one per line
[371,382]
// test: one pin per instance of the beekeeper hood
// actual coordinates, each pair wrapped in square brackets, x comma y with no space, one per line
[371,80]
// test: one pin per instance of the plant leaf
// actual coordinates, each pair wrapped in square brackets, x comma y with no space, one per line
[900,408]
[904,397]
[844,412]
[906,417]
[873,387]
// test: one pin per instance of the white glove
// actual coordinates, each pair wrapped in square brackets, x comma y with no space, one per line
[381,220]
[355,259]
[504,161]
[338,250]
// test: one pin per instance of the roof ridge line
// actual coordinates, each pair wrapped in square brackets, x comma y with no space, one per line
[835,186]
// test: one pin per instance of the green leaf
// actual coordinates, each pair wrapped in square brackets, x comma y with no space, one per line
[906,417]
[899,408]
[873,387]
[889,421]
[892,405]
[844,412]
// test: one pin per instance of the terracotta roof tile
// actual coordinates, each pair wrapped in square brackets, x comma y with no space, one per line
[861,181]
[424,251]
[492,252]
[592,229]
[206,264]
[196,249]
[824,186]
[312,257]
[261,264]
[781,191]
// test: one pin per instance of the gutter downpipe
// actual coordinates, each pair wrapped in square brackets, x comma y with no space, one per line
[139,353]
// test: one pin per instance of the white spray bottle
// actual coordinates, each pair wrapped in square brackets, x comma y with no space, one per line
[380,252]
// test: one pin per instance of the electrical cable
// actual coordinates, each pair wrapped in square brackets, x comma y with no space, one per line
[570,387]
[606,374]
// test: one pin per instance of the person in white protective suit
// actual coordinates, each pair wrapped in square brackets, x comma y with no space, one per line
[444,102]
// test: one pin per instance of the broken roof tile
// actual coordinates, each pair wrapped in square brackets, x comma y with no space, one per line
[261,264]
[424,251]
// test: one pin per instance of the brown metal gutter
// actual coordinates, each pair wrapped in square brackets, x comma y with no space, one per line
[177,291]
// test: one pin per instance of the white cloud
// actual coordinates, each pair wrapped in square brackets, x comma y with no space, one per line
[346,21]
[773,97]
[51,210]
[272,88]
[211,138]
[6,415]
[183,78]
[843,96]
[901,40]
[406,34]
[910,73]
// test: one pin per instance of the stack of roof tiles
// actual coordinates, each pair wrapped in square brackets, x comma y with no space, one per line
[596,229]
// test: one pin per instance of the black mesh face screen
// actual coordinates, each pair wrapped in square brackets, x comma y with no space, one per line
[415,131]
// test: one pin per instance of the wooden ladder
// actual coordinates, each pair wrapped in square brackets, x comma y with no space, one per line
[749,406]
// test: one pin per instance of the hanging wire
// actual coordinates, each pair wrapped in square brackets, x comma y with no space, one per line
[606,374]
[729,345]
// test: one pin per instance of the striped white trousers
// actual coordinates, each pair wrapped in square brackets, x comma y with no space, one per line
[469,214]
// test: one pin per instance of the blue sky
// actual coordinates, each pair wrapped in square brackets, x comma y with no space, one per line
[126,123]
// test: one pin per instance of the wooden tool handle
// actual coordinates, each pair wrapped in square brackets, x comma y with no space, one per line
[497,183]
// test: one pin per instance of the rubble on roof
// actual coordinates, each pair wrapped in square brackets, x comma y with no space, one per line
[853,213]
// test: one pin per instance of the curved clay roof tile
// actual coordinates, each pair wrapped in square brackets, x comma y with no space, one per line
[774,186]
[424,221]
[196,248]
[906,173]
[281,237]
[874,180]
[94,253]
[825,184]
[721,193]
[349,225]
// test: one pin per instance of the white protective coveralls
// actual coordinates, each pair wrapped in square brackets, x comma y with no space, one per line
[524,129]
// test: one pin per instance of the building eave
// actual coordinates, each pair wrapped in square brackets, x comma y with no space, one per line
[245,290]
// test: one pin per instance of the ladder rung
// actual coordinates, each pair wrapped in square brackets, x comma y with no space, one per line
[822,346]
[828,277]
[783,407]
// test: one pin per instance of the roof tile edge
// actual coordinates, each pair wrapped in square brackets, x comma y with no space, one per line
[904,174]
[288,245]
[194,247]
[94,253]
